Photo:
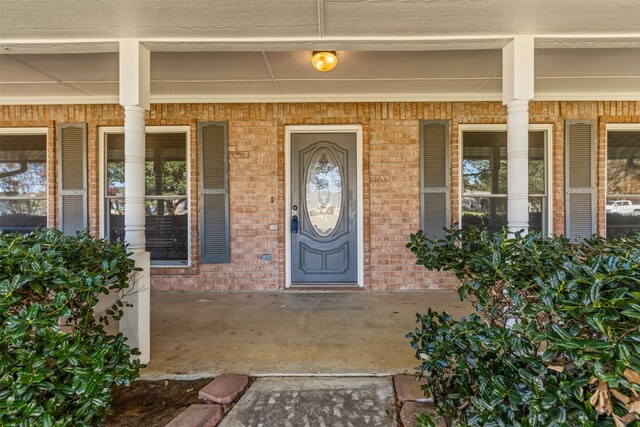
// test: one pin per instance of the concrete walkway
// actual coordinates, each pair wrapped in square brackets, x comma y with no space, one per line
[309,402]
[287,333]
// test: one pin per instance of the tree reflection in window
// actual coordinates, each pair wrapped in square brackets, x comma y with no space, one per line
[23,182]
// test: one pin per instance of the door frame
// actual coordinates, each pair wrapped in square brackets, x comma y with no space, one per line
[293,129]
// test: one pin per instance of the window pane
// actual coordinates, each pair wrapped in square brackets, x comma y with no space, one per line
[484,163]
[537,217]
[623,183]
[166,164]
[115,215]
[23,165]
[485,212]
[115,165]
[22,216]
[537,181]
[167,229]
[623,216]
[167,222]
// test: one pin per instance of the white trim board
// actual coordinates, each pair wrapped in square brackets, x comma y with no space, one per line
[102,131]
[288,131]
[253,99]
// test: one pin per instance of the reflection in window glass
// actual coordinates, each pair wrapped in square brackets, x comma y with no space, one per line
[23,183]
[623,183]
[484,180]
[166,204]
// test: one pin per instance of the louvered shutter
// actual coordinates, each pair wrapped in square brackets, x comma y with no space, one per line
[580,194]
[72,174]
[434,177]
[214,193]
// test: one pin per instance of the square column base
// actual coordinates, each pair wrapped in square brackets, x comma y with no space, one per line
[135,324]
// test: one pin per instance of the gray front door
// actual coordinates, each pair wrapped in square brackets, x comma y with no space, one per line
[323,208]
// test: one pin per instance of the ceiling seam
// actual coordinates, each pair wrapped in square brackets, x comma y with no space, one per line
[48,75]
[273,78]
[487,81]
[321,18]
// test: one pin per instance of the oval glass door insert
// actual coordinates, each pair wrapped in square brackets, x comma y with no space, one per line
[323,192]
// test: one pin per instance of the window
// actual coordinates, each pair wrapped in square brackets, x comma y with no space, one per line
[23,182]
[166,200]
[484,180]
[623,183]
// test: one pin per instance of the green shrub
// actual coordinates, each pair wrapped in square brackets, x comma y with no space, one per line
[58,365]
[556,337]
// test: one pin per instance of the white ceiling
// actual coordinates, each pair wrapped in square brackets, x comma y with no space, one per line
[358,74]
[105,19]
[257,49]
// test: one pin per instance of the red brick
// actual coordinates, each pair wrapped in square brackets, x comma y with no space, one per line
[408,389]
[224,389]
[198,415]
[256,161]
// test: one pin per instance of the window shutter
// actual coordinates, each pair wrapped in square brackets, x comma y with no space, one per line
[214,193]
[72,173]
[580,195]
[434,177]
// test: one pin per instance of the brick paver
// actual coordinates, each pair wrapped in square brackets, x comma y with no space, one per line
[199,415]
[224,389]
[408,389]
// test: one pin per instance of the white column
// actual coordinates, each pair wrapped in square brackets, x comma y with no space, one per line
[134,98]
[517,90]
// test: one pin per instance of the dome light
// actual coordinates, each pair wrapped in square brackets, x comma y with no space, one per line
[324,60]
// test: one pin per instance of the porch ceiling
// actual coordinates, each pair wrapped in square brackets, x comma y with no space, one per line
[252,50]
[299,19]
[474,74]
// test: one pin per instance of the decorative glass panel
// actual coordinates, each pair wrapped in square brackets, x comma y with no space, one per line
[324,193]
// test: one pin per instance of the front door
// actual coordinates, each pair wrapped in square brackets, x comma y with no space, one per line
[323,208]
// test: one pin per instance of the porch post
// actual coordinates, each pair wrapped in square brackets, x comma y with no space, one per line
[134,98]
[517,90]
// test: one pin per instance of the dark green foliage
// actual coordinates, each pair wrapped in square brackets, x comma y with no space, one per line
[555,341]
[57,363]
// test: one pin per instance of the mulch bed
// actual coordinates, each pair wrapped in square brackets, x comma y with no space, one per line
[153,403]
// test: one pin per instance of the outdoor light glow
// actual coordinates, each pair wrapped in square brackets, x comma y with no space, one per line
[324,60]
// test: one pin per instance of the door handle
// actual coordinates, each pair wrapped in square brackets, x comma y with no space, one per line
[294,224]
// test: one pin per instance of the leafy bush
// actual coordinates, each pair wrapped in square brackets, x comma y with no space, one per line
[58,365]
[556,337]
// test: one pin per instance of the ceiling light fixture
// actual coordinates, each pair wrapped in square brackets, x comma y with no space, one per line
[324,60]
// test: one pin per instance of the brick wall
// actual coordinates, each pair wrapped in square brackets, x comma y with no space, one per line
[256,169]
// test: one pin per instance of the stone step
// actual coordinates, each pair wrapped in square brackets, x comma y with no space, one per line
[408,389]
[224,389]
[198,415]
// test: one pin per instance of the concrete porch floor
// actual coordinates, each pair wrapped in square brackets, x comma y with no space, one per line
[195,334]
